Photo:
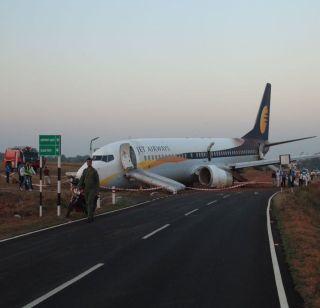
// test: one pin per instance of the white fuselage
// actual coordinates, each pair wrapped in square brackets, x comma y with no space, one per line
[174,158]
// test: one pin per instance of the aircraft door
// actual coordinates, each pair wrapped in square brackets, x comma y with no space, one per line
[128,156]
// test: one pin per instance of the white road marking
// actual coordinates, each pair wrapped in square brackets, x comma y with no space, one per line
[226,196]
[214,201]
[155,231]
[63,286]
[186,214]
[277,274]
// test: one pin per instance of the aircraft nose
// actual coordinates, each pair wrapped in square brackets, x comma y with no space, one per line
[98,165]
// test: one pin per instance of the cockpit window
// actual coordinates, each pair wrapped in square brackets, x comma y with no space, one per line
[105,158]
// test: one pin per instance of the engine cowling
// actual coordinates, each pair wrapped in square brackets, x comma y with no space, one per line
[212,176]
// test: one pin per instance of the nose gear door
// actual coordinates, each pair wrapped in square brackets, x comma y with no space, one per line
[127,156]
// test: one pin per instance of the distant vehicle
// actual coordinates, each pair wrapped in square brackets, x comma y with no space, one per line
[21,154]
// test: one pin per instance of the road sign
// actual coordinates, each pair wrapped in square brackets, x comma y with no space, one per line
[49,145]
[285,159]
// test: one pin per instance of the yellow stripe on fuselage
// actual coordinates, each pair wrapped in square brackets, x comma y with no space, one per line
[155,163]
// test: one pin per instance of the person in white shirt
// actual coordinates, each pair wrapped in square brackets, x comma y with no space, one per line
[22,173]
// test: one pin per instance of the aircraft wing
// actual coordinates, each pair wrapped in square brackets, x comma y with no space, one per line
[267,162]
[153,179]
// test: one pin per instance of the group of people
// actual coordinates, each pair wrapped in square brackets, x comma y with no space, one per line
[85,191]
[25,173]
[289,178]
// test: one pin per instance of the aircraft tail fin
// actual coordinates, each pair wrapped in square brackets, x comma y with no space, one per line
[261,127]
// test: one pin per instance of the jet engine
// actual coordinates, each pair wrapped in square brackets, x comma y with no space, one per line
[213,176]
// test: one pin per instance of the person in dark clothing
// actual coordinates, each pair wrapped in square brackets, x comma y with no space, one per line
[90,183]
[8,171]
[284,179]
[292,177]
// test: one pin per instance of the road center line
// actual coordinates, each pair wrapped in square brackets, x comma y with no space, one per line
[226,196]
[214,201]
[63,286]
[155,231]
[186,214]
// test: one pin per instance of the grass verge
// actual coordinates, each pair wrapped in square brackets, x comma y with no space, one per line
[298,216]
[19,211]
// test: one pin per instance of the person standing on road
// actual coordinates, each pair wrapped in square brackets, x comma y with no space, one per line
[90,183]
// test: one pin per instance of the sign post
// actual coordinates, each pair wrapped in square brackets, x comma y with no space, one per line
[59,187]
[40,186]
[284,159]
[50,145]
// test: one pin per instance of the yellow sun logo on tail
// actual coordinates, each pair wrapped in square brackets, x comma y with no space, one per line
[264,119]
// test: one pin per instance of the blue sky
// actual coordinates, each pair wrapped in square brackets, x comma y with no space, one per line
[120,69]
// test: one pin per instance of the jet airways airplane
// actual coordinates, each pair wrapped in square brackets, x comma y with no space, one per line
[172,163]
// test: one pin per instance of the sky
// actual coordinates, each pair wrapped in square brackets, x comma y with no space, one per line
[134,69]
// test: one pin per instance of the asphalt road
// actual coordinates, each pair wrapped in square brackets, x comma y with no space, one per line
[191,250]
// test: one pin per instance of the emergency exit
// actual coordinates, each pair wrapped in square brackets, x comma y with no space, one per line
[128,156]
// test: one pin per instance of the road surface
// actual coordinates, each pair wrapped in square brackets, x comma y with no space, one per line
[198,249]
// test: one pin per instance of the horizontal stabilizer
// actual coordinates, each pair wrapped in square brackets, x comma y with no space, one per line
[267,162]
[271,144]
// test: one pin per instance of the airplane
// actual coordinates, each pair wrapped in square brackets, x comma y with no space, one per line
[173,163]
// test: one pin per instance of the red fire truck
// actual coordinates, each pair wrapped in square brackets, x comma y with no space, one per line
[23,154]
